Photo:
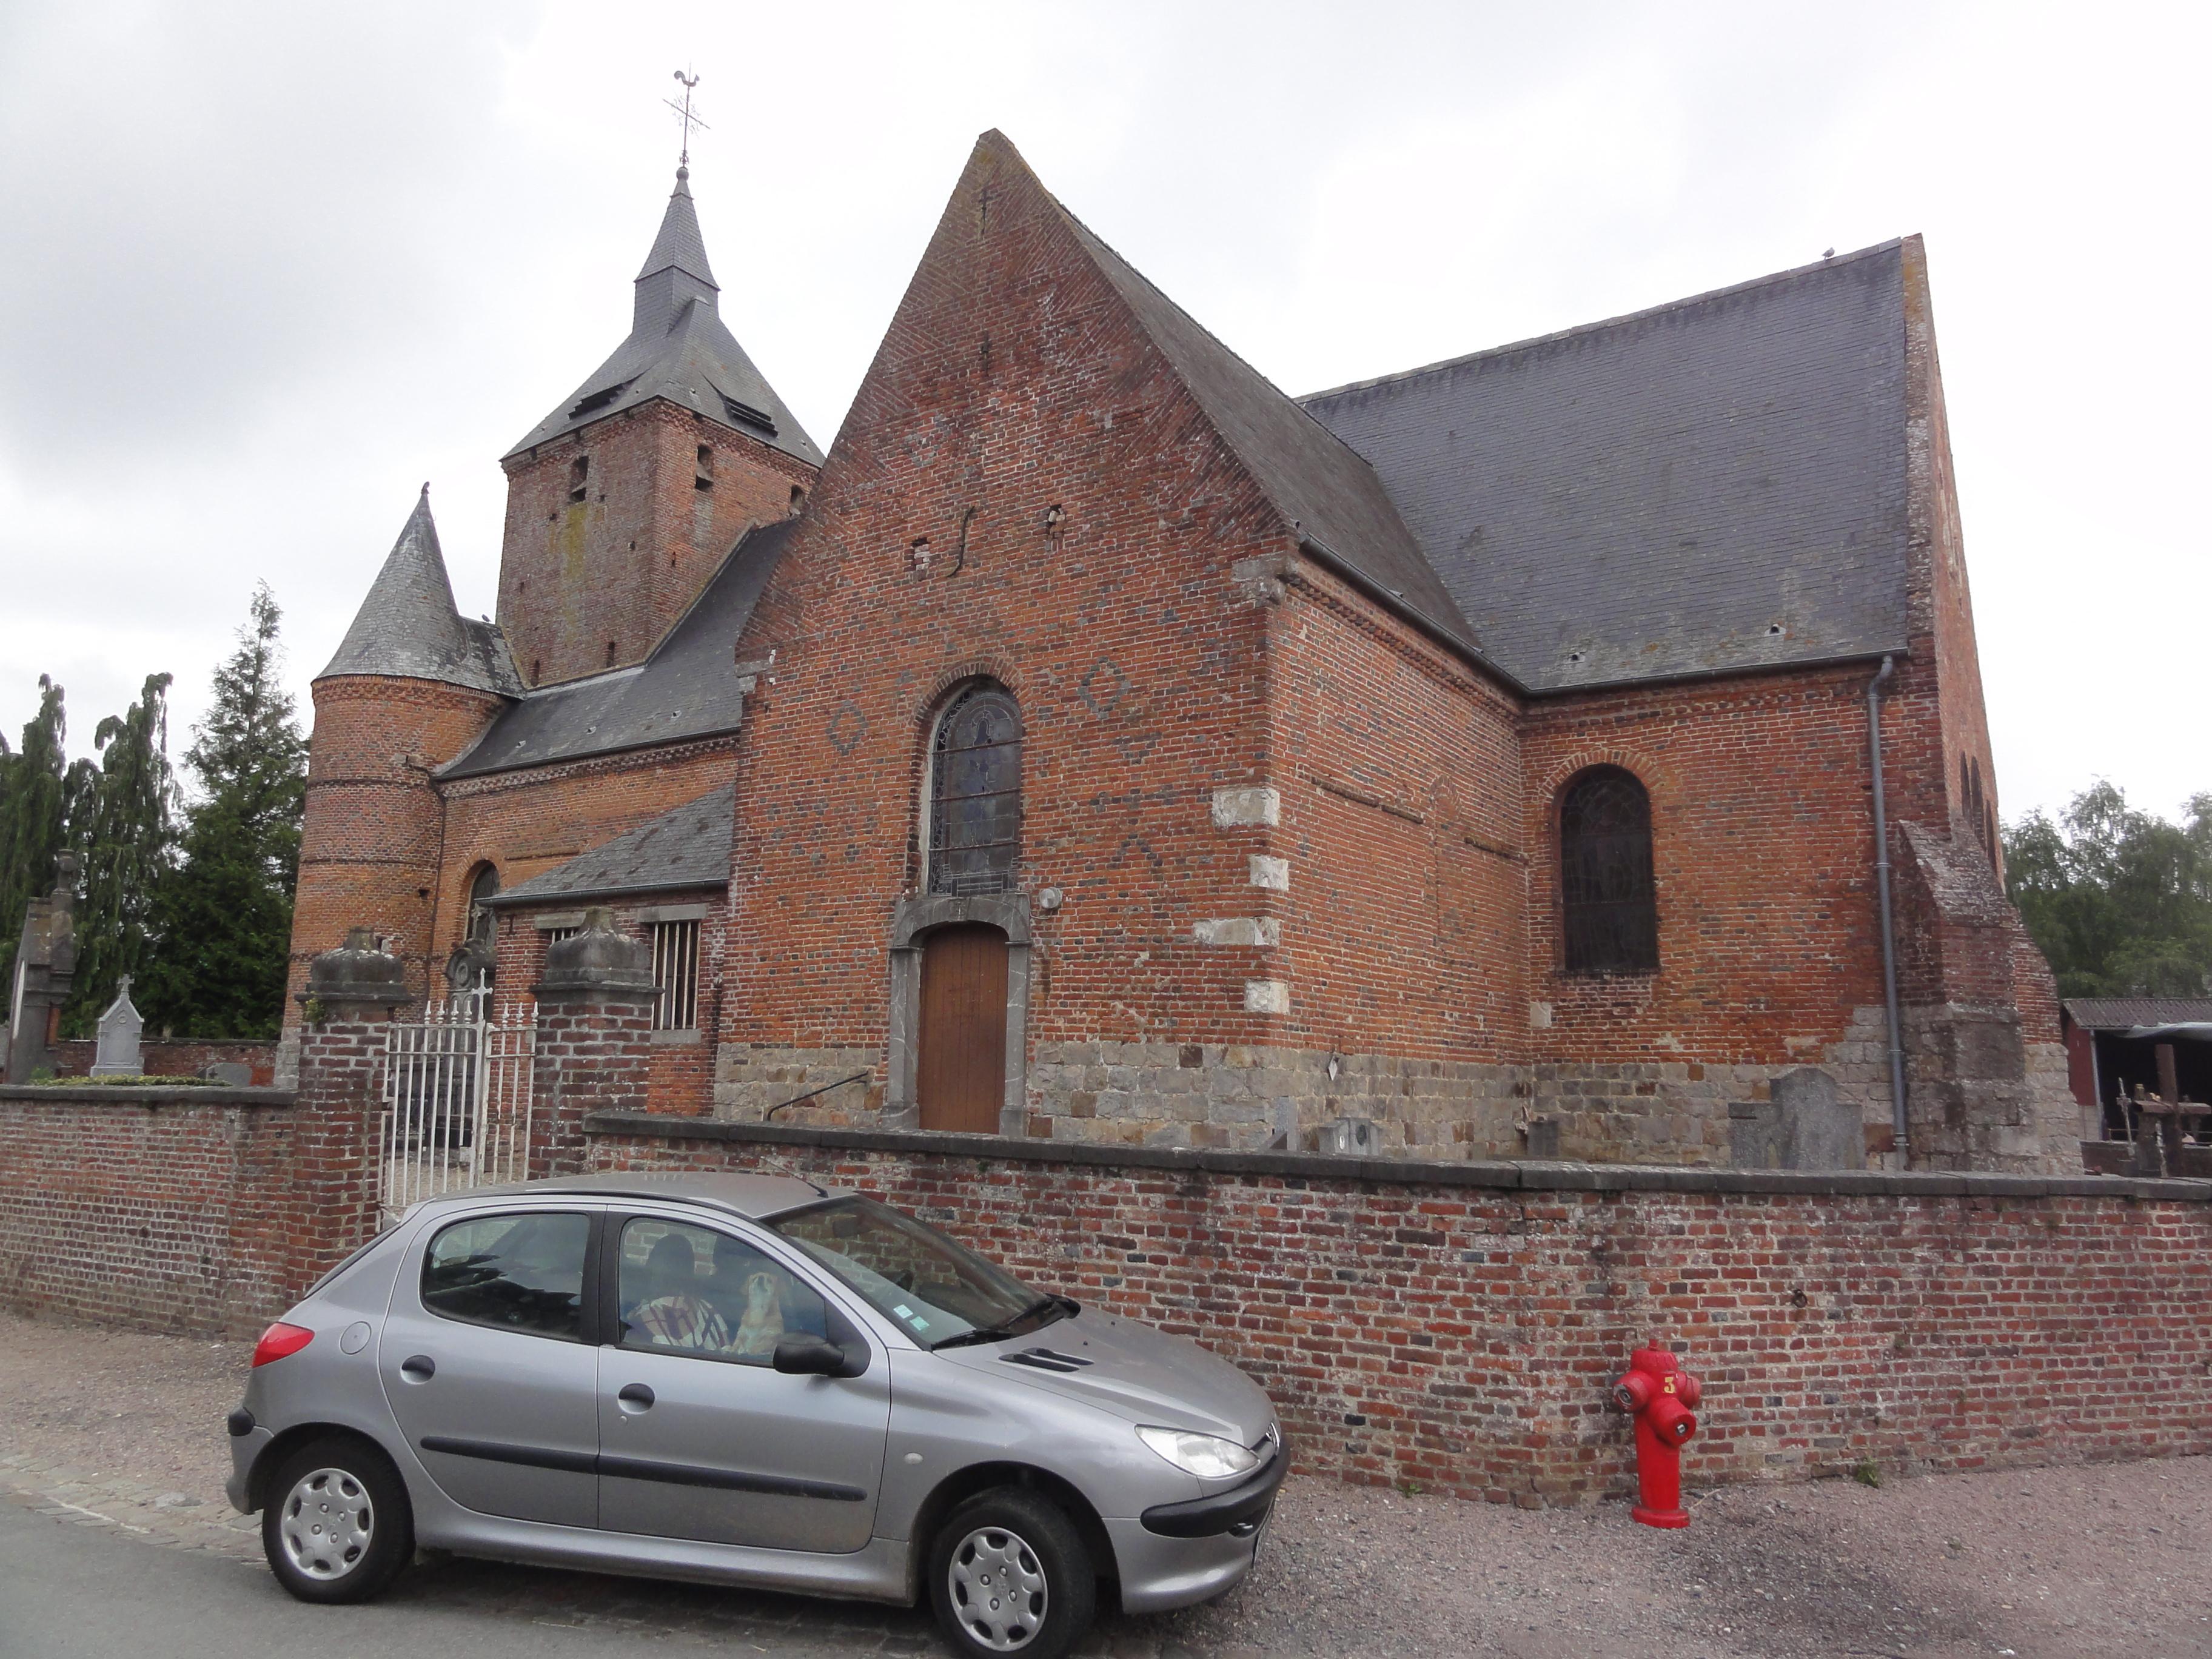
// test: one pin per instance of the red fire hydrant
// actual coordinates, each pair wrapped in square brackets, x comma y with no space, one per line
[1658,1394]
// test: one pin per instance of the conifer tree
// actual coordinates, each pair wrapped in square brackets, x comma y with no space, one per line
[224,917]
[33,818]
[121,826]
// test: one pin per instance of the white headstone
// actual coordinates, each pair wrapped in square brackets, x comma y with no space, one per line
[117,1054]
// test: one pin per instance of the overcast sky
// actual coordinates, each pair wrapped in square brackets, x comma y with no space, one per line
[265,269]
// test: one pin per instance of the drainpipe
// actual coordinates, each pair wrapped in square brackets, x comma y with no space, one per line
[1888,928]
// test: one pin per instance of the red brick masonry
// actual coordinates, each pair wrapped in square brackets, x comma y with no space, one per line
[1457,1324]
[1452,1323]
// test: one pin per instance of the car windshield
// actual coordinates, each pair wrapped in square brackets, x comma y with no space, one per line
[939,1292]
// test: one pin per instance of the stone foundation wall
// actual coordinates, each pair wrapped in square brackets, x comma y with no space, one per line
[752,1080]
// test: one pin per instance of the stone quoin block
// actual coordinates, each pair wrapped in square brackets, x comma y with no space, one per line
[1264,931]
[1243,808]
[1267,996]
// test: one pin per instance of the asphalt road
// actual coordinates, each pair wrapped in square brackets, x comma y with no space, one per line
[75,1592]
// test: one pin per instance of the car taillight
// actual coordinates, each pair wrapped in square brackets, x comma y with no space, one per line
[280,1339]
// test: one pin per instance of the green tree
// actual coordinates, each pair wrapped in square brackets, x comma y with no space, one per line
[2119,900]
[224,917]
[33,817]
[120,825]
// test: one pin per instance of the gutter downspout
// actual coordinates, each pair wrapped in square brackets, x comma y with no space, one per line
[1888,928]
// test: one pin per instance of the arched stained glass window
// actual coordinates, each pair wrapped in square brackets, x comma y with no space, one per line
[976,792]
[1612,919]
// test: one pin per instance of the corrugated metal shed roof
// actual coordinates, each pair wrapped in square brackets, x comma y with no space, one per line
[1716,485]
[2118,1014]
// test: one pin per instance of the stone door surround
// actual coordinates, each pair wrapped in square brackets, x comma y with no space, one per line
[910,920]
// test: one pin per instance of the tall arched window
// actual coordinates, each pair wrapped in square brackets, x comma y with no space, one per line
[1611,918]
[976,792]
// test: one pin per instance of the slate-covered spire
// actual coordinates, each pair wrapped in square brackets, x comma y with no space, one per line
[678,348]
[409,627]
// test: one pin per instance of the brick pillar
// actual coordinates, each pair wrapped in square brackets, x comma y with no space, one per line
[594,1025]
[317,1202]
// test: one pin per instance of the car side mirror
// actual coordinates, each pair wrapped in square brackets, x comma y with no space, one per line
[816,1355]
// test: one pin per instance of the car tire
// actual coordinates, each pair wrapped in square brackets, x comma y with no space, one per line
[337,1525]
[1008,1574]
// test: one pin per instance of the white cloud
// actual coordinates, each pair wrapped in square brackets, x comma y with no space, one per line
[264,269]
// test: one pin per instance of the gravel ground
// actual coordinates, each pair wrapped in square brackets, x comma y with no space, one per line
[118,1429]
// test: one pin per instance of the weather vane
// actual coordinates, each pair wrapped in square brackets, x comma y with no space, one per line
[685,113]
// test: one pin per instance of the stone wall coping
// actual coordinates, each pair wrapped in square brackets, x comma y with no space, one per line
[169,1094]
[1523,1174]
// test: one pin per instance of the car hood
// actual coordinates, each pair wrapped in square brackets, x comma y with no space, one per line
[1129,1369]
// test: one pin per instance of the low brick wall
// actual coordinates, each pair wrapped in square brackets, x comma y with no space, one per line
[1457,1324]
[174,1057]
[146,1207]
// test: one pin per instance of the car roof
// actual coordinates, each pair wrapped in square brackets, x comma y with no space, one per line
[756,1197]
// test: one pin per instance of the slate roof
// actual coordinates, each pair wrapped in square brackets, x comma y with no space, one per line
[409,627]
[688,846]
[686,688]
[2119,1013]
[1327,492]
[679,349]
[1716,485]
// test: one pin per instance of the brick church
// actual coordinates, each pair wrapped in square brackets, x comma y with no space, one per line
[1099,744]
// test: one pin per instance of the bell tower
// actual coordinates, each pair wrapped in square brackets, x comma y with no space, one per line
[628,497]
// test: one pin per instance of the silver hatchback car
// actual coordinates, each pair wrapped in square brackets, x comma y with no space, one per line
[745,1379]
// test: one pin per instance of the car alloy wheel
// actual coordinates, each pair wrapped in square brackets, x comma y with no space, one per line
[998,1585]
[327,1524]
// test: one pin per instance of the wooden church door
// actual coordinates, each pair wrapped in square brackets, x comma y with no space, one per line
[961,1080]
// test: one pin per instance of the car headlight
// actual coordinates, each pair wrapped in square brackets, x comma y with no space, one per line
[1206,1455]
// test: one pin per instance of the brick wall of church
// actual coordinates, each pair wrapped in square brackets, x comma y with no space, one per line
[1022,490]
[369,848]
[619,567]
[679,1065]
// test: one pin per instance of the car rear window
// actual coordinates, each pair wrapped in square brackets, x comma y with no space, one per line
[515,1273]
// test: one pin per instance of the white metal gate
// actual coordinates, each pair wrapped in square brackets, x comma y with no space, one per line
[456,1099]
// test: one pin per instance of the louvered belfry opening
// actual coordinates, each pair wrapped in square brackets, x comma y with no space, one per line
[975,793]
[1611,916]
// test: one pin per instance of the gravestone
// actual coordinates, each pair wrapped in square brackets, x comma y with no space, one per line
[228,1071]
[119,1054]
[1805,1124]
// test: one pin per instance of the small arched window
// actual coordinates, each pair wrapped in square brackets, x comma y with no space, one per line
[1610,914]
[484,888]
[976,792]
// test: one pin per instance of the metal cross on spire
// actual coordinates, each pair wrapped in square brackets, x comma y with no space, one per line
[687,114]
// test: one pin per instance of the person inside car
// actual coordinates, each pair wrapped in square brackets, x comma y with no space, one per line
[674,1313]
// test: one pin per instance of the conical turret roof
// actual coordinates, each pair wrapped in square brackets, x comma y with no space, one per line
[679,349]
[409,628]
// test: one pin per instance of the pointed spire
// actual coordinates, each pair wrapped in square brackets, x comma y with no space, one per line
[679,349]
[680,245]
[409,627]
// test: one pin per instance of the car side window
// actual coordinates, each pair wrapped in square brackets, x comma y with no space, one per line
[691,1290]
[514,1272]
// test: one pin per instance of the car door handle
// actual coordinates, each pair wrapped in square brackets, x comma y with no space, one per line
[635,1393]
[418,1368]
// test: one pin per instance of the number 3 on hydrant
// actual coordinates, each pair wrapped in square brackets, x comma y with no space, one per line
[1658,1394]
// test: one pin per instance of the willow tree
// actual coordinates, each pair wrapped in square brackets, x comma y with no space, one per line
[120,827]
